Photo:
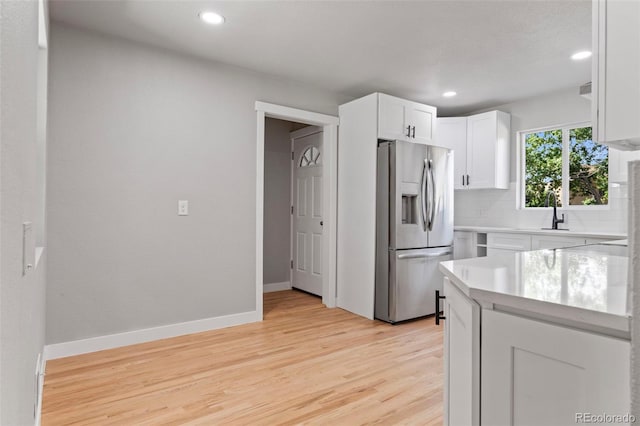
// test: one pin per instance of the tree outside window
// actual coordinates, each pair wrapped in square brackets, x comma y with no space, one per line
[568,162]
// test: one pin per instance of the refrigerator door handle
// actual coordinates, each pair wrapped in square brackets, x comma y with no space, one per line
[423,198]
[424,255]
[432,202]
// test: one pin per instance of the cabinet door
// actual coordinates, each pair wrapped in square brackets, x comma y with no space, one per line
[481,133]
[421,118]
[488,136]
[539,242]
[616,66]
[393,122]
[462,358]
[451,133]
[463,245]
[492,251]
[535,373]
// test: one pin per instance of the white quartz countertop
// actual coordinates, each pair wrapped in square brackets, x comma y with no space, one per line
[562,232]
[581,286]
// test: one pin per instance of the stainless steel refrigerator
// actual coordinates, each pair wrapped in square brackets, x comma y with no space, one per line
[414,227]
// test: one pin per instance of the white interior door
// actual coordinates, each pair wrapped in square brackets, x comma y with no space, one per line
[307,213]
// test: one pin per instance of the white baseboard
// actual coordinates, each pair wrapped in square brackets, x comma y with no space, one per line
[271,287]
[94,344]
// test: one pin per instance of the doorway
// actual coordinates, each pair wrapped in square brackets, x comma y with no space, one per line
[327,193]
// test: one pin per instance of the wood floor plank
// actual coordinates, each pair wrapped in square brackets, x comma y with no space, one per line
[304,364]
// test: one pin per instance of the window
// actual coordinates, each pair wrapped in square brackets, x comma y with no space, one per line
[310,157]
[566,161]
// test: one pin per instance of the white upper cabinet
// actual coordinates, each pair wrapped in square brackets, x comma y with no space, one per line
[615,71]
[481,149]
[452,134]
[404,120]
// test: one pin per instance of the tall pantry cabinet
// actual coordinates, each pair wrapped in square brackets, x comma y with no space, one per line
[362,122]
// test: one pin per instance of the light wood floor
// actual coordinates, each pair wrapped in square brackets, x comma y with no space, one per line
[303,364]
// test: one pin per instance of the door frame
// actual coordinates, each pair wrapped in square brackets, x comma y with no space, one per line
[329,126]
[300,133]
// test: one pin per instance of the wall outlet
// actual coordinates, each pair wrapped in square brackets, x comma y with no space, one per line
[183,207]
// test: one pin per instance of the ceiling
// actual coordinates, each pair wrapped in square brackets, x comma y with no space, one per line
[490,52]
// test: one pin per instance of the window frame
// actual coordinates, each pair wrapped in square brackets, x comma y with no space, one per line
[521,162]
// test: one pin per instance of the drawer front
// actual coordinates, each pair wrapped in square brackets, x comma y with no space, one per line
[539,242]
[517,242]
[492,251]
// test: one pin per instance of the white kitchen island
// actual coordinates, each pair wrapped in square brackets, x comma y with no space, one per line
[538,337]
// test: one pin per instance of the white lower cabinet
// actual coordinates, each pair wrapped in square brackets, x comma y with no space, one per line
[536,373]
[462,358]
[464,245]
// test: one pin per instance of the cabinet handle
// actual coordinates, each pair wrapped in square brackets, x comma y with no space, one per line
[408,131]
[467,180]
[438,316]
[414,132]
[462,180]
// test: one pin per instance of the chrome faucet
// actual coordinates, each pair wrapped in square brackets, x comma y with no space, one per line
[554,221]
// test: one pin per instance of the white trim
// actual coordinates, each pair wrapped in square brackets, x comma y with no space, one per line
[94,344]
[259,210]
[271,287]
[43,33]
[40,373]
[329,126]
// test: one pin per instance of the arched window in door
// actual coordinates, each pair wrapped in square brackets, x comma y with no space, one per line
[310,157]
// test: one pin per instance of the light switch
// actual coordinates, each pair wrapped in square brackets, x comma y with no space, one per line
[183,207]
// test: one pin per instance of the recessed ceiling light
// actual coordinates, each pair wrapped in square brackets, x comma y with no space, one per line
[212,18]
[581,55]
[449,94]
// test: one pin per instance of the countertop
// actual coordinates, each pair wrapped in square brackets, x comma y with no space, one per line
[559,233]
[582,286]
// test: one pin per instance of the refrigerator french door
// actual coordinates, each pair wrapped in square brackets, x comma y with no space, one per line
[414,227]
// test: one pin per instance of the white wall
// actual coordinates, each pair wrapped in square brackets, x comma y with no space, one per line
[21,297]
[498,207]
[277,200]
[133,129]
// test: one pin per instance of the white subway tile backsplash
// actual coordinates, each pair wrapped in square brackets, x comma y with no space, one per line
[498,208]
